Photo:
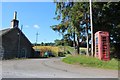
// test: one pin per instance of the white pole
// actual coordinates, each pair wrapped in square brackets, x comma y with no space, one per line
[91,24]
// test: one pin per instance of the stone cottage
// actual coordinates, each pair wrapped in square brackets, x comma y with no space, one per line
[14,42]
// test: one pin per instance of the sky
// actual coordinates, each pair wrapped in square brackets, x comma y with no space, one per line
[35,17]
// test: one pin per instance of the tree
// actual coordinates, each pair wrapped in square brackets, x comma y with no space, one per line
[106,17]
[67,40]
[42,44]
[58,42]
[71,15]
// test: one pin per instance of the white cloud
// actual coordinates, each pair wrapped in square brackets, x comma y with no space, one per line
[26,26]
[36,26]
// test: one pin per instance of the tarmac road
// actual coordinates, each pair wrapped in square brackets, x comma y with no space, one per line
[51,68]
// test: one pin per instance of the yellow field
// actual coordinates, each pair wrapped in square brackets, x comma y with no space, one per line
[52,49]
[56,49]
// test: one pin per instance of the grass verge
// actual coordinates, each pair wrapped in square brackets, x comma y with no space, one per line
[91,62]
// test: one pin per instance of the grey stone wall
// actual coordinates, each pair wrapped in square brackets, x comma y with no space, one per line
[16,45]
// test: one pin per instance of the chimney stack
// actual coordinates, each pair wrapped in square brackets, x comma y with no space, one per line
[15,15]
[14,22]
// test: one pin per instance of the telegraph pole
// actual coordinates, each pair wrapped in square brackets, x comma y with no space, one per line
[91,24]
[36,39]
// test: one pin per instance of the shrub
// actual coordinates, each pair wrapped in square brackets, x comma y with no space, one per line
[61,54]
[83,52]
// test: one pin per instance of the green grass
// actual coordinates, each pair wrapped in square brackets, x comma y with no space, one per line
[91,62]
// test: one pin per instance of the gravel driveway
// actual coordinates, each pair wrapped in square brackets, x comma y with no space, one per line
[51,68]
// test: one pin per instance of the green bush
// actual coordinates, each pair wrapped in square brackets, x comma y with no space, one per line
[82,52]
[61,54]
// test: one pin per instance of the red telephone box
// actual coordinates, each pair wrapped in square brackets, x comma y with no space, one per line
[102,48]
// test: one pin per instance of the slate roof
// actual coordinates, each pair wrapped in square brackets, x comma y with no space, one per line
[5,31]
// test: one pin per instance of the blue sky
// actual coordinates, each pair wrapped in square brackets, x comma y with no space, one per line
[35,17]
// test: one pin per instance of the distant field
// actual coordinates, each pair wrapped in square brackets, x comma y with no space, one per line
[56,49]
[52,49]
